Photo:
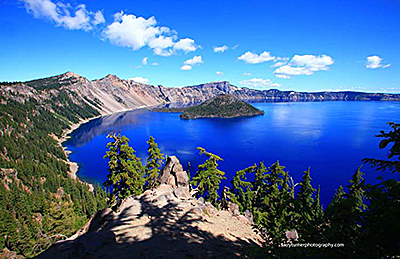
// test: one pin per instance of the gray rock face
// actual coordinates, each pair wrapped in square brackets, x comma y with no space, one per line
[249,216]
[173,174]
[234,208]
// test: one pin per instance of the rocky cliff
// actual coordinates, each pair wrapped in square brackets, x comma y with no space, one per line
[163,223]
[112,94]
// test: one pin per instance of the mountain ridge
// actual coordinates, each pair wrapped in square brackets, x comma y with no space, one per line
[112,94]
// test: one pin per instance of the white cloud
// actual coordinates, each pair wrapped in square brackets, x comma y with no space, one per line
[253,58]
[72,18]
[376,62]
[186,45]
[279,64]
[219,73]
[155,64]
[188,64]
[194,61]
[259,83]
[236,46]
[140,79]
[220,49]
[144,61]
[247,74]
[127,30]
[304,65]
[186,67]
[98,18]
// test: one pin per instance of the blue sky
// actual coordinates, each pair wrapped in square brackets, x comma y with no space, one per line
[289,45]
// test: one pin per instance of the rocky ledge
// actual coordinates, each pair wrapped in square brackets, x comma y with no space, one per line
[163,223]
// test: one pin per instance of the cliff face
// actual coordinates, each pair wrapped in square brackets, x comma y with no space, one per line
[112,94]
[163,223]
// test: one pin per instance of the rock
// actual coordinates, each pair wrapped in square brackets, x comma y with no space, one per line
[234,208]
[99,219]
[292,234]
[249,216]
[182,192]
[201,199]
[210,208]
[173,174]
[243,218]
[182,178]
[88,245]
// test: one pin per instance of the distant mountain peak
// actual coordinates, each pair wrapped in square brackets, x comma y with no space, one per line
[71,74]
[110,76]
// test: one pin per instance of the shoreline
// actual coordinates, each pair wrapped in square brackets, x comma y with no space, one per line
[66,134]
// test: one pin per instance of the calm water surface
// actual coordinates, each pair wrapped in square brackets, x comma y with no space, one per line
[329,137]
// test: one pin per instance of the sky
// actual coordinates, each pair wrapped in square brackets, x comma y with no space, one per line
[306,45]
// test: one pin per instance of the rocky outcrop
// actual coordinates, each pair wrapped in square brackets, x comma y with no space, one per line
[173,174]
[163,223]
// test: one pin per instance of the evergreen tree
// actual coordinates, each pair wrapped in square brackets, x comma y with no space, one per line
[241,192]
[154,162]
[304,197]
[260,182]
[125,170]
[271,217]
[355,196]
[317,208]
[208,177]
[304,205]
[391,137]
[345,214]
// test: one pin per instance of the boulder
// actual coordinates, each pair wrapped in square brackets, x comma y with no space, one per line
[234,208]
[292,234]
[249,216]
[210,208]
[182,193]
[173,174]
[99,219]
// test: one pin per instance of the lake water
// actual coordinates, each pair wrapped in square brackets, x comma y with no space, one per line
[329,137]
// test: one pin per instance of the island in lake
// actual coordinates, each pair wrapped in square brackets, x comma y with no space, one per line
[221,106]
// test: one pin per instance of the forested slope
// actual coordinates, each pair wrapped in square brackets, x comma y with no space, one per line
[39,202]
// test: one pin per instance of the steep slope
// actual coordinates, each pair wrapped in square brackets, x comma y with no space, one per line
[221,106]
[163,223]
[40,199]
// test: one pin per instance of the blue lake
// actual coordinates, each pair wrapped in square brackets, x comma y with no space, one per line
[329,137]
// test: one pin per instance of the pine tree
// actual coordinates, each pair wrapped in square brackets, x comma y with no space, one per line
[338,196]
[304,197]
[317,209]
[389,137]
[260,182]
[242,189]
[271,216]
[154,162]
[356,192]
[345,213]
[304,206]
[208,177]
[125,170]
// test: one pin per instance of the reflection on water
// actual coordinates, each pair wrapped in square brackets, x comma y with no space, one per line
[105,125]
[329,137]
